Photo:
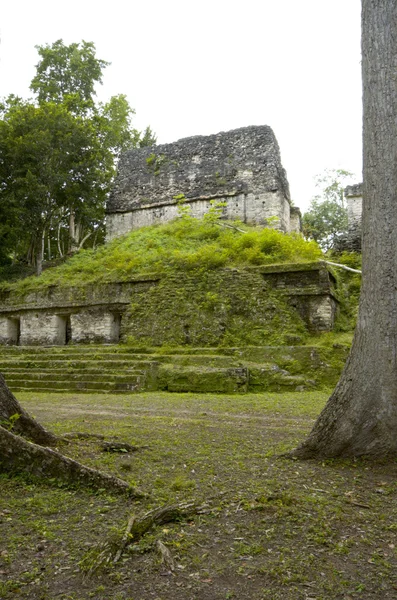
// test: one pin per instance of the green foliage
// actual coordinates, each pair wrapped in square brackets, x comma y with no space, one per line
[155,162]
[186,244]
[68,72]
[9,423]
[58,155]
[326,218]
[50,167]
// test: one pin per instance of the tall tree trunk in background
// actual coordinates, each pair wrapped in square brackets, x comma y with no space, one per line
[361,415]
[74,232]
[40,254]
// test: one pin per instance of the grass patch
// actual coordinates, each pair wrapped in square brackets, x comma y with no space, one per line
[282,530]
[186,244]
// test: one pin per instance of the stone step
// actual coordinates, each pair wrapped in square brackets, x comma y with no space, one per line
[113,361]
[88,377]
[212,370]
[76,386]
[49,390]
[105,349]
[37,364]
[18,371]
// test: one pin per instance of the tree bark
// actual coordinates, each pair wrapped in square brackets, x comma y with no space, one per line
[18,455]
[360,418]
[40,254]
[24,424]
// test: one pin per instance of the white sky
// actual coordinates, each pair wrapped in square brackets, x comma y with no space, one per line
[196,67]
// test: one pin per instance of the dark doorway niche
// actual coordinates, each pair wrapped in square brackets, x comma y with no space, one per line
[115,328]
[14,331]
[64,330]
[68,331]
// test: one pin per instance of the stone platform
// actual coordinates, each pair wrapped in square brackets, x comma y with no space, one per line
[178,309]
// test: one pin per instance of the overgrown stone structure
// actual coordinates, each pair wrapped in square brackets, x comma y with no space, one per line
[241,168]
[181,309]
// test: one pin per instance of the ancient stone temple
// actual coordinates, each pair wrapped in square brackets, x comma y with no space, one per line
[241,168]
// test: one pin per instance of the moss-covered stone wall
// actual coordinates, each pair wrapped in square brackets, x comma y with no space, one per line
[271,305]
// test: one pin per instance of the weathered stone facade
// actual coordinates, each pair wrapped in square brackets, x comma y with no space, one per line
[241,168]
[351,240]
[147,309]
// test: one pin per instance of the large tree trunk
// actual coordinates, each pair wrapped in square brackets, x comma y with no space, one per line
[361,415]
[18,455]
[13,415]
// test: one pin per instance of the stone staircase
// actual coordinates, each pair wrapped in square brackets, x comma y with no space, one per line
[121,369]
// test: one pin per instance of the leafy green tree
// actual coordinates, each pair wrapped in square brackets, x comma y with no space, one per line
[58,155]
[326,218]
[50,164]
[68,73]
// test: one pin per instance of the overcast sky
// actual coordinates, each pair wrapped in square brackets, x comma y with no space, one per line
[193,67]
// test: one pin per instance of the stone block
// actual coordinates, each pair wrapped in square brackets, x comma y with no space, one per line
[95,326]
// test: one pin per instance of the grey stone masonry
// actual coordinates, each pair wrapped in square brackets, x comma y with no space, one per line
[351,240]
[241,168]
[101,314]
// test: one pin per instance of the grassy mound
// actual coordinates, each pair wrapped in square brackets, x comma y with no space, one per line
[186,244]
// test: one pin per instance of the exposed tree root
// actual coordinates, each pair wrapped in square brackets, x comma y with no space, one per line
[19,455]
[120,447]
[82,435]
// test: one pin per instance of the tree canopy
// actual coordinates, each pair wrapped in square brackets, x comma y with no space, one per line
[58,153]
[326,218]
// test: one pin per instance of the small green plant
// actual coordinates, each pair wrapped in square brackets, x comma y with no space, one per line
[215,211]
[155,162]
[219,179]
[181,483]
[9,423]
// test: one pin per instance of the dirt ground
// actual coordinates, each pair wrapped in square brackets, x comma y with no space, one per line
[272,529]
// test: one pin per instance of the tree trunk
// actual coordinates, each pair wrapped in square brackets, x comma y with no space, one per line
[74,233]
[19,455]
[40,254]
[12,414]
[361,415]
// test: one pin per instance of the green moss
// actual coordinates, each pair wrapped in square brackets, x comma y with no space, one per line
[216,308]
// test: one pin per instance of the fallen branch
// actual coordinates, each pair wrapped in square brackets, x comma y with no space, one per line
[230,226]
[103,554]
[125,538]
[328,262]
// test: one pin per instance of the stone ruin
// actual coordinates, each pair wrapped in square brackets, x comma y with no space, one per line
[103,314]
[351,240]
[241,168]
